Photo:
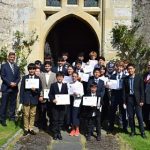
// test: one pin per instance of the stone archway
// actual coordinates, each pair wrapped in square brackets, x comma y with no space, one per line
[89,21]
[73,35]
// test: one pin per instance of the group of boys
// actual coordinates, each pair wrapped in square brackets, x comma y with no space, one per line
[129,96]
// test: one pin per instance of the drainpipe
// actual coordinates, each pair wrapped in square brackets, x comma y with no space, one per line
[103,28]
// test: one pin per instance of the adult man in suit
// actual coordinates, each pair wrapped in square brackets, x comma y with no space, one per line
[10,75]
[117,99]
[133,96]
[47,78]
[58,111]
[100,83]
[60,66]
[146,107]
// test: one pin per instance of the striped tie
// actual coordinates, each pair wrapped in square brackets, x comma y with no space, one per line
[12,68]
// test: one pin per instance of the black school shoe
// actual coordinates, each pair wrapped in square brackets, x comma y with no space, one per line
[55,137]
[32,132]
[59,137]
[3,123]
[25,133]
[98,138]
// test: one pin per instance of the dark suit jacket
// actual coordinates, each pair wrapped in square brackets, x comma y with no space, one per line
[55,70]
[27,96]
[55,90]
[100,87]
[87,111]
[146,88]
[138,89]
[8,76]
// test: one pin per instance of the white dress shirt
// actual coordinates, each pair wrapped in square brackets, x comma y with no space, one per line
[59,86]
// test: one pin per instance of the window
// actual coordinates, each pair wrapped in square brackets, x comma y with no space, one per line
[55,3]
[73,2]
[91,3]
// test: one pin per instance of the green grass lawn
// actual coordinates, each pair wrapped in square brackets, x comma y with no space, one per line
[7,132]
[137,142]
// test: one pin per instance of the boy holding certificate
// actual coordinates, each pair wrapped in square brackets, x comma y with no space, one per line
[58,90]
[92,114]
[29,95]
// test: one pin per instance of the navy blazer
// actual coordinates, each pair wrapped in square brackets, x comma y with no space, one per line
[138,89]
[55,70]
[100,87]
[8,76]
[87,111]
[27,96]
[55,90]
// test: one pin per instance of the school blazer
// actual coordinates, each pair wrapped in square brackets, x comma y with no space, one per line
[138,89]
[27,96]
[7,76]
[100,87]
[87,111]
[52,79]
[55,90]
[55,70]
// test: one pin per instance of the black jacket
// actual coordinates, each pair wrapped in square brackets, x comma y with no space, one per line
[138,89]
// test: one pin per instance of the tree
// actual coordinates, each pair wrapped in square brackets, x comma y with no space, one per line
[22,47]
[130,45]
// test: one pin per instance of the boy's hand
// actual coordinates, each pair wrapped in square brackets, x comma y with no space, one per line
[141,104]
[33,89]
[55,101]
[124,106]
[41,98]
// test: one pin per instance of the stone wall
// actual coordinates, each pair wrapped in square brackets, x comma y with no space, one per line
[141,11]
[6,20]
[14,15]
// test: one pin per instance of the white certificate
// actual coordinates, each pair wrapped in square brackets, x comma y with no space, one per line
[93,63]
[67,79]
[88,69]
[113,84]
[76,102]
[89,101]
[105,79]
[62,99]
[84,76]
[46,92]
[32,83]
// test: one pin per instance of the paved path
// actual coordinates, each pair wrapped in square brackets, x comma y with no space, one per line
[43,141]
[68,143]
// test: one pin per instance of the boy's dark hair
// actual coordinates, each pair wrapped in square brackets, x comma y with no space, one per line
[59,74]
[76,73]
[31,66]
[131,65]
[38,62]
[78,62]
[47,63]
[12,53]
[101,57]
[94,84]
[61,59]
[96,69]
[65,54]
[81,54]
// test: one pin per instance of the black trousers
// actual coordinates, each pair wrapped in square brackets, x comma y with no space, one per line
[115,102]
[94,121]
[132,109]
[57,118]
[41,110]
[8,97]
[146,115]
